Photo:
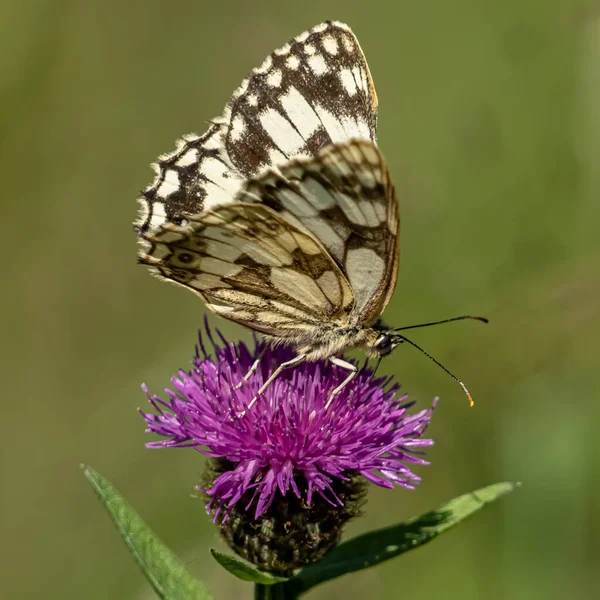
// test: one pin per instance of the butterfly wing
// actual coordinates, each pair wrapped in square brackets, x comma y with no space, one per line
[345,198]
[252,266]
[198,173]
[313,91]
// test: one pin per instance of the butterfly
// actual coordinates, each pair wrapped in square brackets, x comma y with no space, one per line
[282,216]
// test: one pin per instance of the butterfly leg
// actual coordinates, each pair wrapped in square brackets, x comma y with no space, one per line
[353,372]
[290,363]
[252,369]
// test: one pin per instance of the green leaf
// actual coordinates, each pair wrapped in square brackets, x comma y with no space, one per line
[167,575]
[377,546]
[245,571]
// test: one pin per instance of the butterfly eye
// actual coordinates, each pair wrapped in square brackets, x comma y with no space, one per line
[384,345]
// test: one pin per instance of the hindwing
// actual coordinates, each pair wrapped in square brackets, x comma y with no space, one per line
[252,266]
[345,198]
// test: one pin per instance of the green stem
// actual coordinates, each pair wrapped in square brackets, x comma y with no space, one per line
[277,591]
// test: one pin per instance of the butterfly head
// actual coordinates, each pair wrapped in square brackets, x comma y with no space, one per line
[386,341]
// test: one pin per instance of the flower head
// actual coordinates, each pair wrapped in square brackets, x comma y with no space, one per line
[287,446]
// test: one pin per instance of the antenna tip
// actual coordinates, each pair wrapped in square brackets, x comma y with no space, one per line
[466,391]
[482,319]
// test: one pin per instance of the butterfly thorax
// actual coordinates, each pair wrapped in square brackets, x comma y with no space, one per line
[332,340]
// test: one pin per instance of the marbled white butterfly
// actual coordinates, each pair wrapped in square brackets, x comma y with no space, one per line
[282,216]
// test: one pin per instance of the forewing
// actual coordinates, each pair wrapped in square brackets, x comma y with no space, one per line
[193,178]
[315,90]
[345,198]
[253,267]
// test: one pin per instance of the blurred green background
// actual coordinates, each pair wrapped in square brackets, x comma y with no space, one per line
[489,119]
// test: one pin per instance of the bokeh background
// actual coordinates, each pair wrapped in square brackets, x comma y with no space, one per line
[489,119]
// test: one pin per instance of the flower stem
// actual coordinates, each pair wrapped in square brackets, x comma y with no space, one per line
[277,591]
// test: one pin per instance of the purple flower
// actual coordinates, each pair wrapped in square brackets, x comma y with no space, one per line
[287,443]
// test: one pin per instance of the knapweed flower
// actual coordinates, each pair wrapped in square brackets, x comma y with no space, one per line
[287,473]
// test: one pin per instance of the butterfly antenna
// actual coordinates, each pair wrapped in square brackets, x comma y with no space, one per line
[441,366]
[482,319]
